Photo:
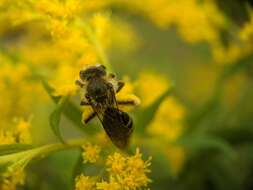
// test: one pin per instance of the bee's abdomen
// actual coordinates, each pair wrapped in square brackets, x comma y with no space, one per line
[118,126]
[128,122]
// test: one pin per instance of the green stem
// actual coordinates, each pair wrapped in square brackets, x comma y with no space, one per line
[24,157]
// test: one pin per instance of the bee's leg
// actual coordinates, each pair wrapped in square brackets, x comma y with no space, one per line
[127,102]
[79,83]
[120,85]
[130,101]
[84,103]
[89,117]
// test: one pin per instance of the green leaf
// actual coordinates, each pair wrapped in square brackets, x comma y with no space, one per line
[50,91]
[77,169]
[242,64]
[55,117]
[159,163]
[13,148]
[236,135]
[206,110]
[146,115]
[23,157]
[70,110]
[74,114]
[206,142]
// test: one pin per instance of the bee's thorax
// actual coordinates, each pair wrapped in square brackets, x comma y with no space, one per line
[97,89]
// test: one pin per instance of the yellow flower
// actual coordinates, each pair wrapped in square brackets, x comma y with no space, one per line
[135,174]
[116,163]
[123,35]
[58,28]
[123,173]
[90,153]
[84,183]
[18,92]
[246,32]
[229,54]
[19,133]
[22,131]
[130,172]
[11,179]
[6,137]
[67,9]
[127,94]
[101,24]
[166,13]
[63,82]
[89,58]
[147,81]
[111,185]
[113,32]
[168,121]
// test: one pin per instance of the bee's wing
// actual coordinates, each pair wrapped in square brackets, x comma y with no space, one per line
[116,123]
[109,102]
[118,126]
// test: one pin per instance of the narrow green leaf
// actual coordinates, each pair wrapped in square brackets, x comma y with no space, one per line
[206,110]
[50,91]
[77,169]
[55,117]
[13,148]
[74,114]
[70,110]
[241,65]
[236,135]
[146,115]
[205,142]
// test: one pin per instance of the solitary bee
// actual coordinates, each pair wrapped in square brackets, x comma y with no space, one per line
[100,91]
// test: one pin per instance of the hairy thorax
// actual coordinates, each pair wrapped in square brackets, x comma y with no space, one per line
[97,89]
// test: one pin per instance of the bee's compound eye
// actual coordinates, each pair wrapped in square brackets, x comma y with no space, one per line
[101,70]
[85,75]
[103,67]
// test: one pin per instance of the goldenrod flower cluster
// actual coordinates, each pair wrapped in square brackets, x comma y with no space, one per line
[12,179]
[123,173]
[84,182]
[20,133]
[90,153]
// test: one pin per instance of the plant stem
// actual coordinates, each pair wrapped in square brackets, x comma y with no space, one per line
[24,157]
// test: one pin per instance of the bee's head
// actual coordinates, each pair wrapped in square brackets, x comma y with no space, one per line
[92,71]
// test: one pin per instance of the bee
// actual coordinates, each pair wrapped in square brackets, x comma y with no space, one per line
[100,91]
